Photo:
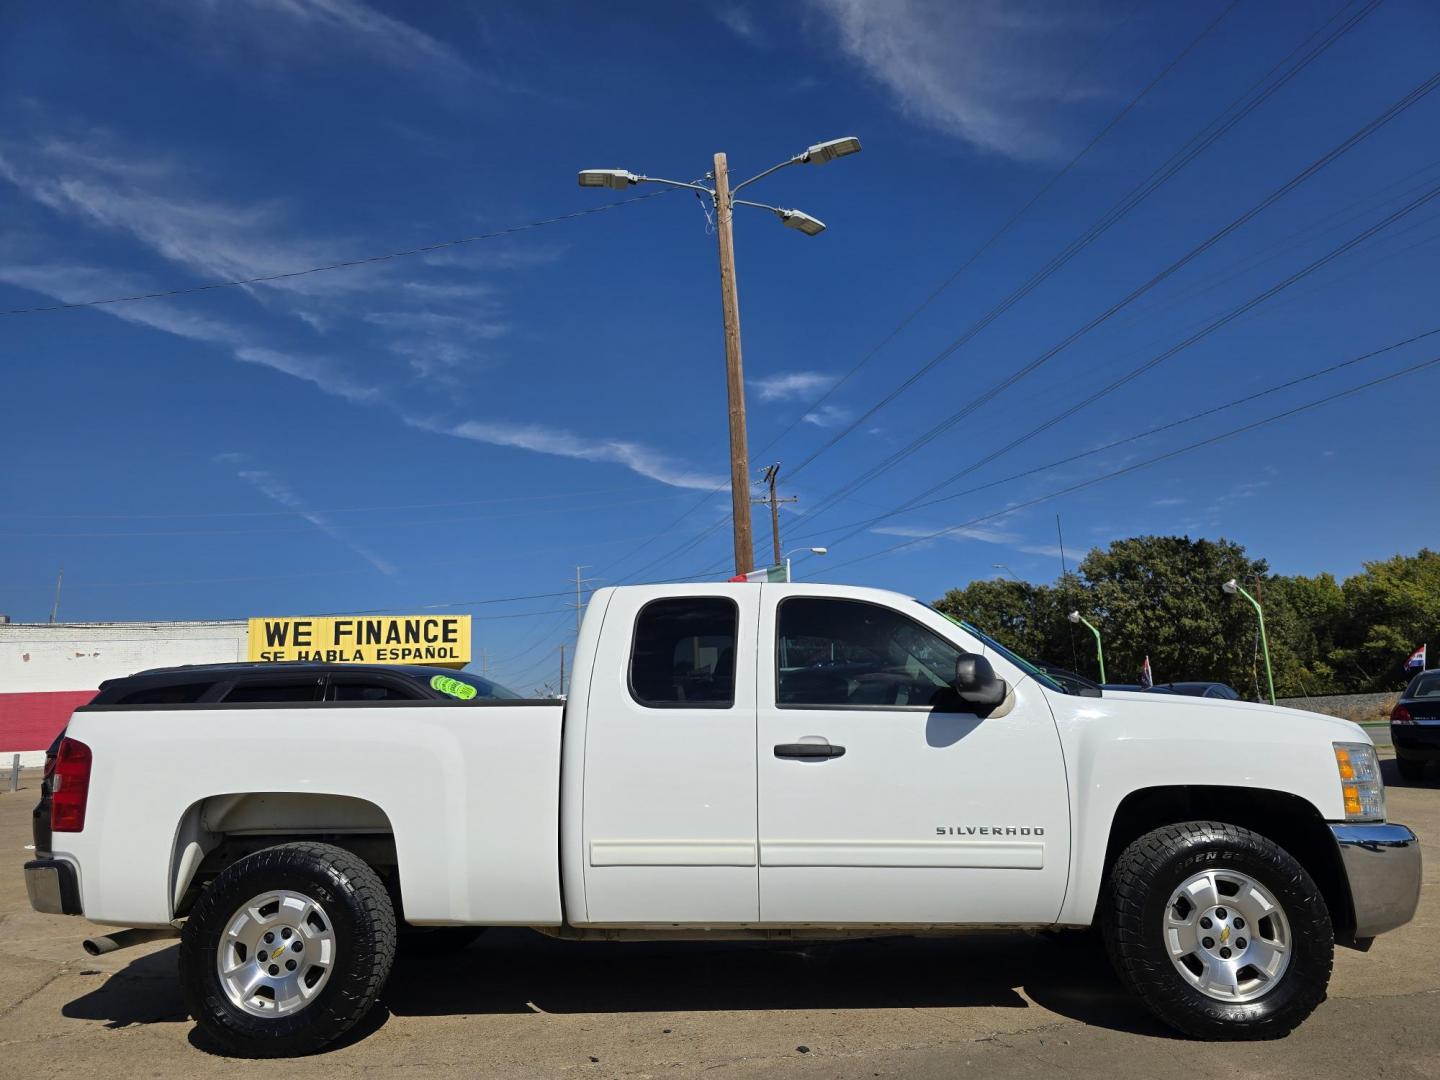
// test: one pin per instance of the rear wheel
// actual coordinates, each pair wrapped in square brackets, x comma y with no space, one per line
[1411,769]
[1219,931]
[287,949]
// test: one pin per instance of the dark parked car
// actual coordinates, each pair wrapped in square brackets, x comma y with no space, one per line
[1073,683]
[1200,689]
[1415,725]
[1136,688]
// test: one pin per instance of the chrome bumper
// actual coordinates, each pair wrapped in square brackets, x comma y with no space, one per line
[1382,863]
[52,887]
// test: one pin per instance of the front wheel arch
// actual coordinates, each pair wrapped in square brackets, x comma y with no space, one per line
[1292,822]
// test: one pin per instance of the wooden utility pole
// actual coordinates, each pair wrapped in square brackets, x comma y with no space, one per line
[771,473]
[734,374]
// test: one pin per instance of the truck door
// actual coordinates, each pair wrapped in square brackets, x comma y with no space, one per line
[881,800]
[669,791]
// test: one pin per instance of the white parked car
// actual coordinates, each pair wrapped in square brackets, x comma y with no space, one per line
[745,759]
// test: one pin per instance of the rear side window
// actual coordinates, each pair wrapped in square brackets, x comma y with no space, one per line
[356,690]
[274,692]
[183,694]
[684,653]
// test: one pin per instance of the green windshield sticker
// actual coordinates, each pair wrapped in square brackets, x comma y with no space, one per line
[456,688]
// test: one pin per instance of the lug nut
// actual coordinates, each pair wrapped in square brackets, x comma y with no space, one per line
[261,956]
[269,937]
[1208,942]
[1206,923]
[274,969]
[1240,943]
[1219,912]
[285,933]
[1224,954]
[1239,923]
[289,965]
[296,945]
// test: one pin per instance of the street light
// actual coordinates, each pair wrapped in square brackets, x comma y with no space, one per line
[812,551]
[722,197]
[1232,587]
[1076,617]
[1002,566]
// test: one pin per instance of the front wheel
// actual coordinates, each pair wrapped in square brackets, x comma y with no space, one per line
[287,949]
[1219,931]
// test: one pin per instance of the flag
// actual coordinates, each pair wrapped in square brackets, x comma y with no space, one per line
[1417,660]
[1147,680]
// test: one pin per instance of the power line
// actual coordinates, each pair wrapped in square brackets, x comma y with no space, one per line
[1197,145]
[861,525]
[1010,222]
[342,265]
[341,509]
[974,256]
[1396,109]
[1159,358]
[1013,508]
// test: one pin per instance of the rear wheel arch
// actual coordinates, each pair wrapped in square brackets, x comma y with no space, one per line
[1292,822]
[218,830]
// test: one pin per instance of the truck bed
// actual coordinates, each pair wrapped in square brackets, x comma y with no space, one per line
[469,790]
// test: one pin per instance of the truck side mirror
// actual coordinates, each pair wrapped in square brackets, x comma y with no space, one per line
[976,682]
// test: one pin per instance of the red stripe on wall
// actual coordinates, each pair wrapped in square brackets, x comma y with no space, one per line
[31,721]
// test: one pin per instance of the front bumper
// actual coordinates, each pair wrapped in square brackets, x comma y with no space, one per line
[53,887]
[1382,865]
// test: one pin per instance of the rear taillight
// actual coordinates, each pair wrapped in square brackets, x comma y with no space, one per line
[1401,715]
[70,786]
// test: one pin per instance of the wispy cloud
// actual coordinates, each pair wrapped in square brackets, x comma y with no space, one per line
[987,72]
[739,21]
[639,459]
[959,532]
[338,23]
[70,283]
[1168,500]
[787,386]
[827,416]
[278,491]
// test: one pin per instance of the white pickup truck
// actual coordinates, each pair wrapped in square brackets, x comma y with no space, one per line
[747,760]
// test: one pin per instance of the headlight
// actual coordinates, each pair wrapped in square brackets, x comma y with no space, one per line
[1360,785]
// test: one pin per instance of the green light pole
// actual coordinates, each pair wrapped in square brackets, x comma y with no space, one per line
[1232,587]
[1076,617]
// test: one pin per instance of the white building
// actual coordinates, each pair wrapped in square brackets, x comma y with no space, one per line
[48,669]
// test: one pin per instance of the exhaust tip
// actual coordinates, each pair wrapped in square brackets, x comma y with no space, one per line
[94,947]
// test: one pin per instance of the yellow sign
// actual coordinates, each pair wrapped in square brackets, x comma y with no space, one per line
[437,640]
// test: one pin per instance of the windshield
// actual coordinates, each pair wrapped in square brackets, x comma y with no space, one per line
[1424,686]
[1047,681]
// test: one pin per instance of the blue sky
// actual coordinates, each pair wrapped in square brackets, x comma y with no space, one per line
[472,423]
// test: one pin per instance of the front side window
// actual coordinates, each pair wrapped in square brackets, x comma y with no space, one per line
[849,653]
[684,653]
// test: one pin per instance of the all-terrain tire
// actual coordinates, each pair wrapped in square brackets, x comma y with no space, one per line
[363,918]
[1411,769]
[1141,884]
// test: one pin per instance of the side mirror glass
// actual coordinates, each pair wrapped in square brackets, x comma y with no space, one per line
[976,682]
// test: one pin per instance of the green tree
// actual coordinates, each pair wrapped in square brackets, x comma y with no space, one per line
[1160,596]
[1389,609]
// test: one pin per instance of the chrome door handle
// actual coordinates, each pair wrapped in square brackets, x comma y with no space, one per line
[808,750]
